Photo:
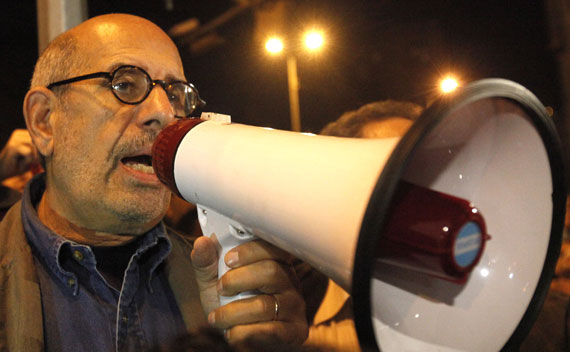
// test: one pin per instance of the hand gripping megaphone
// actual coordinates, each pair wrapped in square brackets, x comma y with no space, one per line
[446,238]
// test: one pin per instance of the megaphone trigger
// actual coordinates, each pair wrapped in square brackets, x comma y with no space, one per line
[229,235]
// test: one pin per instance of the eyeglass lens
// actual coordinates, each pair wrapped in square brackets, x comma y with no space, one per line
[132,85]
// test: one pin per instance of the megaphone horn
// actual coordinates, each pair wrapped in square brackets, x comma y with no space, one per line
[446,238]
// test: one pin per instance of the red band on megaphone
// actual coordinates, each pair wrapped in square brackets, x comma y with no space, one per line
[164,150]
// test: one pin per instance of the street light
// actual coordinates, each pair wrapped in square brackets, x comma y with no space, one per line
[314,40]
[448,84]
[274,45]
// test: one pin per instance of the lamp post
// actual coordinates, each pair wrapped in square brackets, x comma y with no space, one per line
[293,84]
[274,45]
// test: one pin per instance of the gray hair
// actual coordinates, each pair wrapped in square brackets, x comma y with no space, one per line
[60,60]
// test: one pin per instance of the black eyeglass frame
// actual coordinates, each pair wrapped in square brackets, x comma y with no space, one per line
[110,75]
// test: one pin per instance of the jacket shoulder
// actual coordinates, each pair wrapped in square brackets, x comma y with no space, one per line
[12,232]
[20,300]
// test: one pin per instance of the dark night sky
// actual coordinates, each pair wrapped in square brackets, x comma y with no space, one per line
[376,50]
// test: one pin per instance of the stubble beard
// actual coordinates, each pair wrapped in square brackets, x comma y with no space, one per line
[102,202]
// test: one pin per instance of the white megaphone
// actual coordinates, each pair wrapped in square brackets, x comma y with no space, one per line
[446,238]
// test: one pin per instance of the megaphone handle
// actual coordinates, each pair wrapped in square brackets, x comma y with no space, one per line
[229,234]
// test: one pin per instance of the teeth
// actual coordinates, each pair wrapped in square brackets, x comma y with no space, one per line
[141,167]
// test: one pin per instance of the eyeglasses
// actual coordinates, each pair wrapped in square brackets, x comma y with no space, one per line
[132,85]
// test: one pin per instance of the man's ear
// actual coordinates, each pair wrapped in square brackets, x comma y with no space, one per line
[38,107]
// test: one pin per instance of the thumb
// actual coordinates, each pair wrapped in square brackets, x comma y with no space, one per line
[204,258]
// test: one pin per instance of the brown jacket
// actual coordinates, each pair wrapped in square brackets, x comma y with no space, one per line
[21,320]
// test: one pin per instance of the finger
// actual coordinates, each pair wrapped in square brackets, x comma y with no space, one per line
[255,251]
[244,311]
[267,276]
[19,138]
[285,306]
[25,150]
[24,157]
[276,332]
[21,135]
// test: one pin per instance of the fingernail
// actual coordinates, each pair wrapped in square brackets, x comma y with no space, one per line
[212,318]
[231,258]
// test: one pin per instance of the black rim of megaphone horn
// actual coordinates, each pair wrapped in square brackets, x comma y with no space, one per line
[383,193]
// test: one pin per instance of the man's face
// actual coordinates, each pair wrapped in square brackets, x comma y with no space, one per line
[100,172]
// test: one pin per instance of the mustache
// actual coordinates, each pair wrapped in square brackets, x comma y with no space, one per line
[135,144]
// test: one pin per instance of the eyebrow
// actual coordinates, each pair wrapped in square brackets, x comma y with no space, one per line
[115,66]
[169,77]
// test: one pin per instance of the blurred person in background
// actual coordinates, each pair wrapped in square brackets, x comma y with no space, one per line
[332,326]
[18,163]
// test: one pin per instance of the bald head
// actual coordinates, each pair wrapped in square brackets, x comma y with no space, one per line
[107,35]
[73,52]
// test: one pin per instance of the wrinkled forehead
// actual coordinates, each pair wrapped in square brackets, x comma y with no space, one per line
[129,40]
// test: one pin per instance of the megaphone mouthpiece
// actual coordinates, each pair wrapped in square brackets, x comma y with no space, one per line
[164,150]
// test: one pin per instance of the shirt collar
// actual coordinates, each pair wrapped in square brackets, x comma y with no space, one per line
[48,246]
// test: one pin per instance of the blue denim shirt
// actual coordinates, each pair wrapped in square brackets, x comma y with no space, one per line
[82,312]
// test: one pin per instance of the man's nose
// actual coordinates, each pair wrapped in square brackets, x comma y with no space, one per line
[155,111]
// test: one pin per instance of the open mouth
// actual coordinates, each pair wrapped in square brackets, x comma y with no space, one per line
[142,163]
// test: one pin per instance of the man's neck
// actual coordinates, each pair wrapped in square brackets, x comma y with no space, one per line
[63,227]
